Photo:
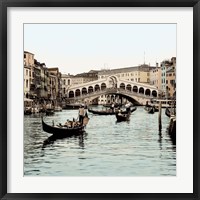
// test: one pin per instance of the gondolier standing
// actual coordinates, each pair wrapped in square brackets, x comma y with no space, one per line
[81,114]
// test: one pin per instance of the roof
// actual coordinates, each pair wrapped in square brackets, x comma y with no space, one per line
[28,52]
[140,68]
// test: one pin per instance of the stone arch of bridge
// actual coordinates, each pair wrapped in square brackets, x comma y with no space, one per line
[129,98]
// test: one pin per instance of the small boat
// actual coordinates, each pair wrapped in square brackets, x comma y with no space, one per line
[49,111]
[73,106]
[63,130]
[110,111]
[170,112]
[167,112]
[122,117]
[172,128]
[116,105]
[57,109]
[150,109]
[28,111]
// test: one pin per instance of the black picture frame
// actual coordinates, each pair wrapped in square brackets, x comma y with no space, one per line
[4,4]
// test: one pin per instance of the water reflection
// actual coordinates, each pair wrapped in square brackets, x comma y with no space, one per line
[50,140]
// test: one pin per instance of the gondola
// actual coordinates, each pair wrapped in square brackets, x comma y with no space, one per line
[59,130]
[150,109]
[73,106]
[109,112]
[167,112]
[49,111]
[122,117]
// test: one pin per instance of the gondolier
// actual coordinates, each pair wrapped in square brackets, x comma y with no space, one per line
[81,114]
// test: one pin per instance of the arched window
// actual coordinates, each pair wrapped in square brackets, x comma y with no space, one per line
[135,89]
[128,87]
[141,90]
[68,81]
[103,86]
[122,86]
[96,88]
[154,93]
[71,94]
[147,92]
[77,93]
[90,89]
[84,91]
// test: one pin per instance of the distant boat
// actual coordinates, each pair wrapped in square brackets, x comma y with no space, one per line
[109,111]
[57,109]
[49,111]
[73,106]
[123,117]
[150,109]
[169,112]
[28,111]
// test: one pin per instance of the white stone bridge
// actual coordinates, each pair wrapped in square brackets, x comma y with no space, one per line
[133,91]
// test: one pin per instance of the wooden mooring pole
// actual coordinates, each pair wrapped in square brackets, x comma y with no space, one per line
[159,117]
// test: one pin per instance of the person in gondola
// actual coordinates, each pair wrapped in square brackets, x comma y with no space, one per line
[113,106]
[81,114]
[128,109]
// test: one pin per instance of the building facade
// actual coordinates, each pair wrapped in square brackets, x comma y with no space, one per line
[155,77]
[166,66]
[28,73]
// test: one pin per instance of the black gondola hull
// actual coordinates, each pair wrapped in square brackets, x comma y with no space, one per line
[62,131]
[123,117]
[150,110]
[110,112]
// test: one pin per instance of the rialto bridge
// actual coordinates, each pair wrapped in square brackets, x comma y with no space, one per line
[133,91]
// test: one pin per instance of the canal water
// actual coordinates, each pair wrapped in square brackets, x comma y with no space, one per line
[107,148]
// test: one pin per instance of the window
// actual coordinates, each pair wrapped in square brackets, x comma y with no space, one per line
[26,72]
[68,81]
[138,79]
[166,81]
[24,55]
[26,83]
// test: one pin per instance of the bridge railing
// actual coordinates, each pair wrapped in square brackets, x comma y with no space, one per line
[135,93]
[111,90]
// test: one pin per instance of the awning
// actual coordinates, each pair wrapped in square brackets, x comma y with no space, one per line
[28,100]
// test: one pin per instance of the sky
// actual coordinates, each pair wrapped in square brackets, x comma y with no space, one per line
[78,48]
